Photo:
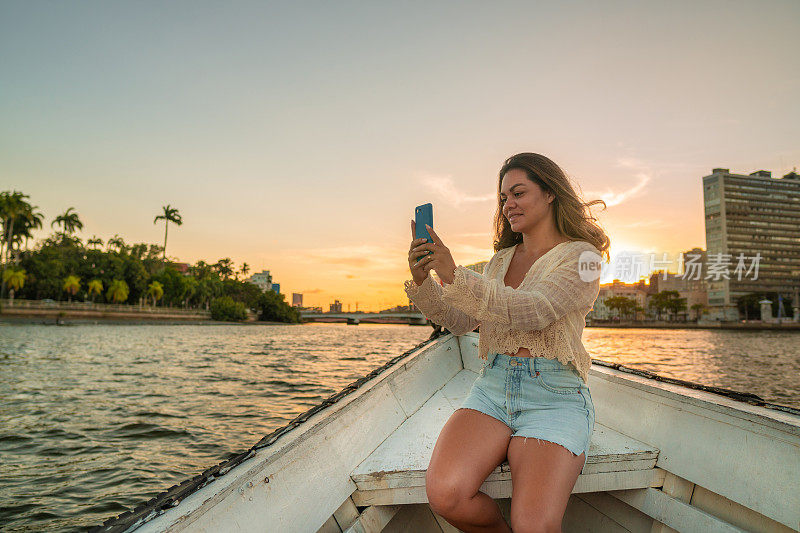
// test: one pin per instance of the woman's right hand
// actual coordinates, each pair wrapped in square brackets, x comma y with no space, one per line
[418,270]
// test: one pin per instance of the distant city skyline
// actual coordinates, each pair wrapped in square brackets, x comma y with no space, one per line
[299,141]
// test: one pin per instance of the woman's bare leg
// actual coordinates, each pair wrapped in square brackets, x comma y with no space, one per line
[471,445]
[543,475]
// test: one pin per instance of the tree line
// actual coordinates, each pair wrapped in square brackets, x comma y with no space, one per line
[669,304]
[63,267]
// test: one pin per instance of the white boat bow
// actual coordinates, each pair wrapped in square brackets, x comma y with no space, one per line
[665,455]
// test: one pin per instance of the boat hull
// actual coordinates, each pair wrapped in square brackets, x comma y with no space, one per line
[663,457]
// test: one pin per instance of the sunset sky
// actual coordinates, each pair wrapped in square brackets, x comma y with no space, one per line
[299,137]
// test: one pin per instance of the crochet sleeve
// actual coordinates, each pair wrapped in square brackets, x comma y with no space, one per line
[535,306]
[428,299]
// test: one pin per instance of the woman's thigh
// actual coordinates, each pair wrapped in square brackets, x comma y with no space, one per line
[543,475]
[470,446]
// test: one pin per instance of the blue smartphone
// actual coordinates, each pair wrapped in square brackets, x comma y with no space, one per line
[423,214]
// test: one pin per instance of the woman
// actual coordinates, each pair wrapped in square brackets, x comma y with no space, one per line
[531,403]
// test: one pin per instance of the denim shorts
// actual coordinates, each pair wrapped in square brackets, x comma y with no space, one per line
[536,397]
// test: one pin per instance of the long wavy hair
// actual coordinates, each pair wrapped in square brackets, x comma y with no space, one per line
[572,216]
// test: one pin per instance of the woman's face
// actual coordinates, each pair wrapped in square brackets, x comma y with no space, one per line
[524,203]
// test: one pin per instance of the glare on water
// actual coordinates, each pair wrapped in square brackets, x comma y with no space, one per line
[98,418]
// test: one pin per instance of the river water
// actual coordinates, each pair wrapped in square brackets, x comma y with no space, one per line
[96,419]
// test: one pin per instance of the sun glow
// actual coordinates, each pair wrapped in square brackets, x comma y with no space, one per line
[628,263]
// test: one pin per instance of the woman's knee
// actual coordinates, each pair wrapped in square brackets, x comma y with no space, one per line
[445,493]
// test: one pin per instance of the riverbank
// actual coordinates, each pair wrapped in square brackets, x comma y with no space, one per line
[120,313]
[116,315]
[784,326]
[57,321]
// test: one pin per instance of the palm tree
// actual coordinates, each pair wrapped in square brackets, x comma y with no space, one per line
[12,209]
[244,270]
[155,291]
[224,267]
[201,269]
[137,251]
[68,221]
[15,277]
[95,242]
[18,218]
[190,285]
[72,284]
[94,288]
[14,243]
[115,242]
[118,291]
[206,290]
[24,227]
[170,214]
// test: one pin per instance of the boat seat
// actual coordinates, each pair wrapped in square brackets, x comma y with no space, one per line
[394,473]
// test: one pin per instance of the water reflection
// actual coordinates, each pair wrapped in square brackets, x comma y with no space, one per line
[766,363]
[96,419]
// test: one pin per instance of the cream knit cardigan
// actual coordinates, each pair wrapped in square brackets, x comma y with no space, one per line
[545,314]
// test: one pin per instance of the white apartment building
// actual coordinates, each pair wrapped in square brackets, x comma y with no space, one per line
[262,279]
[752,226]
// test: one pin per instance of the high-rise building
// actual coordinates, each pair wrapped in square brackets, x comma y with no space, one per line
[264,282]
[693,268]
[297,299]
[263,279]
[752,237]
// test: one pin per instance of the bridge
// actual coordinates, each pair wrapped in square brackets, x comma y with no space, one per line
[417,319]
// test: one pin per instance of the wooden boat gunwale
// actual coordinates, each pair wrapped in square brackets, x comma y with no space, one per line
[174,495]
[730,404]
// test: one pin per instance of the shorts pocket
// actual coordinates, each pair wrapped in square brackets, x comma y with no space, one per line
[560,381]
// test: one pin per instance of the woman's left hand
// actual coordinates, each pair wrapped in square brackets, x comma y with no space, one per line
[439,259]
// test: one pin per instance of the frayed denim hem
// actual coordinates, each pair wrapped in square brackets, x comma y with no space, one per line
[566,447]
